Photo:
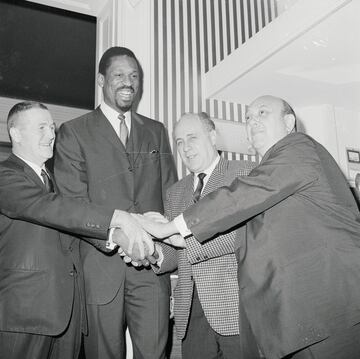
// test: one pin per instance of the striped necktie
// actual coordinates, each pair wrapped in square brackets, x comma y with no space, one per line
[47,181]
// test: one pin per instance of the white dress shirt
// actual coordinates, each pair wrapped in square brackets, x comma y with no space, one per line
[113,117]
[37,169]
[179,220]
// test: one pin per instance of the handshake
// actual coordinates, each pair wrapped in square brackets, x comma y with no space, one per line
[135,234]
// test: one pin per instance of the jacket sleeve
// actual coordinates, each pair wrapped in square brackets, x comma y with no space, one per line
[23,199]
[168,168]
[287,170]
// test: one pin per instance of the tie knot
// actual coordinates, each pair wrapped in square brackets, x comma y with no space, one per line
[121,117]
[47,181]
[201,176]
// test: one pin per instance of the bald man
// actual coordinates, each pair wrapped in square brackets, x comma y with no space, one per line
[299,272]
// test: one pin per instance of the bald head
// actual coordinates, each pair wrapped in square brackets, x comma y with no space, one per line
[268,120]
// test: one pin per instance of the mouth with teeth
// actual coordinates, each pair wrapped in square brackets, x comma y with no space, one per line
[126,94]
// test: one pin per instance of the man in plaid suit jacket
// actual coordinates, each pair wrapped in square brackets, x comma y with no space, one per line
[207,294]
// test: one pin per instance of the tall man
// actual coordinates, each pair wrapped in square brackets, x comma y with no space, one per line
[115,157]
[42,311]
[300,271]
[206,302]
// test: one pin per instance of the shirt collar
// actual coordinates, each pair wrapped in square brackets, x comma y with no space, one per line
[208,171]
[37,169]
[113,115]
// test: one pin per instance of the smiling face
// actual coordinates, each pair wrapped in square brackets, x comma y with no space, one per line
[195,143]
[33,135]
[266,123]
[120,83]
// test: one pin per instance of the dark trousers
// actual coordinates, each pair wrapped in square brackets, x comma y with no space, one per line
[342,345]
[32,346]
[201,341]
[142,305]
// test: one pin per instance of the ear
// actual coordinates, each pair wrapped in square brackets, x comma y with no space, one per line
[213,137]
[289,123]
[15,135]
[100,80]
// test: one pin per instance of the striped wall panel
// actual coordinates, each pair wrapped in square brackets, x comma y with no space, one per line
[190,37]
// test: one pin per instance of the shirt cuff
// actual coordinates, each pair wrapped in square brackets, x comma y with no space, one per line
[109,242]
[181,226]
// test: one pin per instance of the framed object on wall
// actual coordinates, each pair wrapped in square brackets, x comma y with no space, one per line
[47,54]
[353,156]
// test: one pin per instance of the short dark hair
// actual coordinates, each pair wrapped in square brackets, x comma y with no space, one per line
[21,107]
[106,58]
[207,122]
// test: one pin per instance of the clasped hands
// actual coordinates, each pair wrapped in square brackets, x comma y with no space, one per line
[135,235]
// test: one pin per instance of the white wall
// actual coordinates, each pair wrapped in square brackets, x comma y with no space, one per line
[336,129]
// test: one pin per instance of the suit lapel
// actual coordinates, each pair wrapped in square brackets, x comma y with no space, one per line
[103,128]
[216,177]
[188,192]
[27,170]
[136,139]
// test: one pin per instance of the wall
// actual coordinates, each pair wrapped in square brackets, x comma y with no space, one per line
[59,113]
[337,129]
[190,37]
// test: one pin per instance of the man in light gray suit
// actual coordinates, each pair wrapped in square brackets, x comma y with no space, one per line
[207,293]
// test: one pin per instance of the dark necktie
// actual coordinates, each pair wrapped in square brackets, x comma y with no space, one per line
[124,132]
[47,181]
[199,187]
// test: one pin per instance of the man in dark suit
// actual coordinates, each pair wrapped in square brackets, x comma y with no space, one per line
[115,157]
[42,311]
[300,271]
[206,298]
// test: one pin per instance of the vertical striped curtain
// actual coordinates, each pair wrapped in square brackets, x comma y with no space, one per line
[191,37]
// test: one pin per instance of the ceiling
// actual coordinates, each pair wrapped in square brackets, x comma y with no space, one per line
[321,65]
[88,7]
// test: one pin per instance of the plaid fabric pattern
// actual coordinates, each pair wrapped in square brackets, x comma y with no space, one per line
[211,266]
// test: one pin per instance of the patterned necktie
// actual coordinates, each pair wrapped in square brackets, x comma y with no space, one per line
[47,181]
[199,187]
[124,132]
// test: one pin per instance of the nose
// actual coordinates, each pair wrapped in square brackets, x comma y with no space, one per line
[127,80]
[252,121]
[50,133]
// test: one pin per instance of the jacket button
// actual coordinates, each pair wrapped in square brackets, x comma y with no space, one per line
[72,273]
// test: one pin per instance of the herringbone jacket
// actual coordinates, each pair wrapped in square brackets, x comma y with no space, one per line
[212,266]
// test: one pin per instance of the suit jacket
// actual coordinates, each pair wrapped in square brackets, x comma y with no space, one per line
[36,261]
[300,271]
[91,163]
[211,266]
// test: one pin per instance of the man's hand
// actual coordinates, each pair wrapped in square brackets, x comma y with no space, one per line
[176,240]
[156,216]
[132,239]
[149,259]
[158,230]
